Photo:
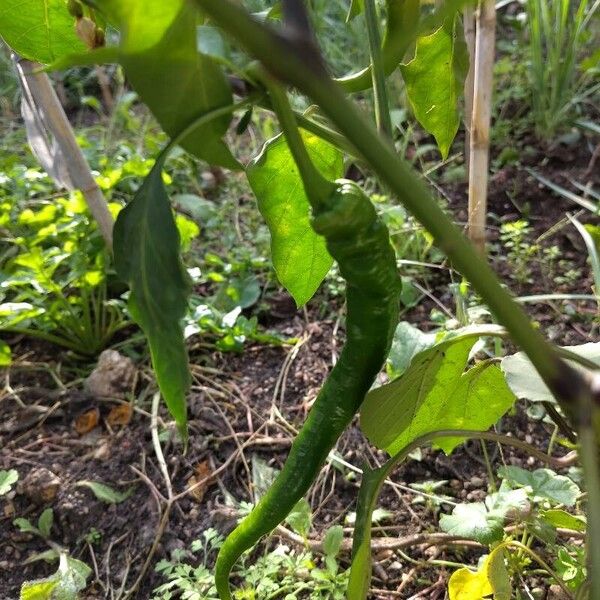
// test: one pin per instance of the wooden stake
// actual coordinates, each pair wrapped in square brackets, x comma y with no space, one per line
[42,92]
[485,45]
[469,27]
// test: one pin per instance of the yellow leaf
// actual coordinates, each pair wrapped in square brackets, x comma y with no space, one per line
[467,585]
[491,579]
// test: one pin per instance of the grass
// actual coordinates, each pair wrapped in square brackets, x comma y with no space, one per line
[560,32]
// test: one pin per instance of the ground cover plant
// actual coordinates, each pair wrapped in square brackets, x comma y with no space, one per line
[218,104]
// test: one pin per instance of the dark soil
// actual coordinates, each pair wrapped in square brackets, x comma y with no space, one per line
[235,407]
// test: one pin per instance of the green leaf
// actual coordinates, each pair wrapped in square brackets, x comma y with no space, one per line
[525,381]
[45,522]
[105,493]
[332,542]
[47,556]
[188,231]
[435,394]
[159,52]
[563,519]
[357,7]
[211,42]
[263,476]
[25,526]
[484,521]
[544,483]
[39,30]
[498,576]
[146,247]
[79,572]
[13,313]
[473,521]
[197,208]
[300,518]
[7,478]
[5,361]
[435,80]
[408,342]
[97,56]
[299,255]
[38,590]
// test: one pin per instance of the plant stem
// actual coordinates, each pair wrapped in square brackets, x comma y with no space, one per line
[591,471]
[382,108]
[317,188]
[289,63]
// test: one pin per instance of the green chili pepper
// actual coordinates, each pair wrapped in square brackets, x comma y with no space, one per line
[402,23]
[359,242]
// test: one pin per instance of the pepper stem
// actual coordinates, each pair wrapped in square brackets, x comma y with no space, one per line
[317,188]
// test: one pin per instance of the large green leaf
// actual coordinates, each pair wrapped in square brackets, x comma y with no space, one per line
[159,52]
[40,30]
[544,484]
[484,521]
[435,393]
[408,342]
[524,380]
[435,80]
[300,257]
[146,247]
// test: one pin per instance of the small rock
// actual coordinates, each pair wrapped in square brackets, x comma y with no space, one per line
[40,485]
[556,593]
[113,376]
[102,452]
[476,482]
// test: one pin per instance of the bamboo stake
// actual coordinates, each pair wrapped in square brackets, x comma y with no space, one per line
[485,44]
[43,94]
[469,27]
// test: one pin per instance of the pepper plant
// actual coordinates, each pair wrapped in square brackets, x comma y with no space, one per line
[314,217]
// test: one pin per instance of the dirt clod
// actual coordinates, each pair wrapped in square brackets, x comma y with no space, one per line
[41,485]
[113,377]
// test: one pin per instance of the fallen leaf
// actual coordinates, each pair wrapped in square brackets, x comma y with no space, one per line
[86,421]
[120,415]
[203,472]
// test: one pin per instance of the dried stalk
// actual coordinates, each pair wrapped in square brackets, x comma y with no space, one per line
[469,27]
[45,97]
[485,43]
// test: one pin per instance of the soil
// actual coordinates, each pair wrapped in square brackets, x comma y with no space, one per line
[246,405]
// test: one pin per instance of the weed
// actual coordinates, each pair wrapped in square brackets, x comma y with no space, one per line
[519,249]
[281,571]
[559,30]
